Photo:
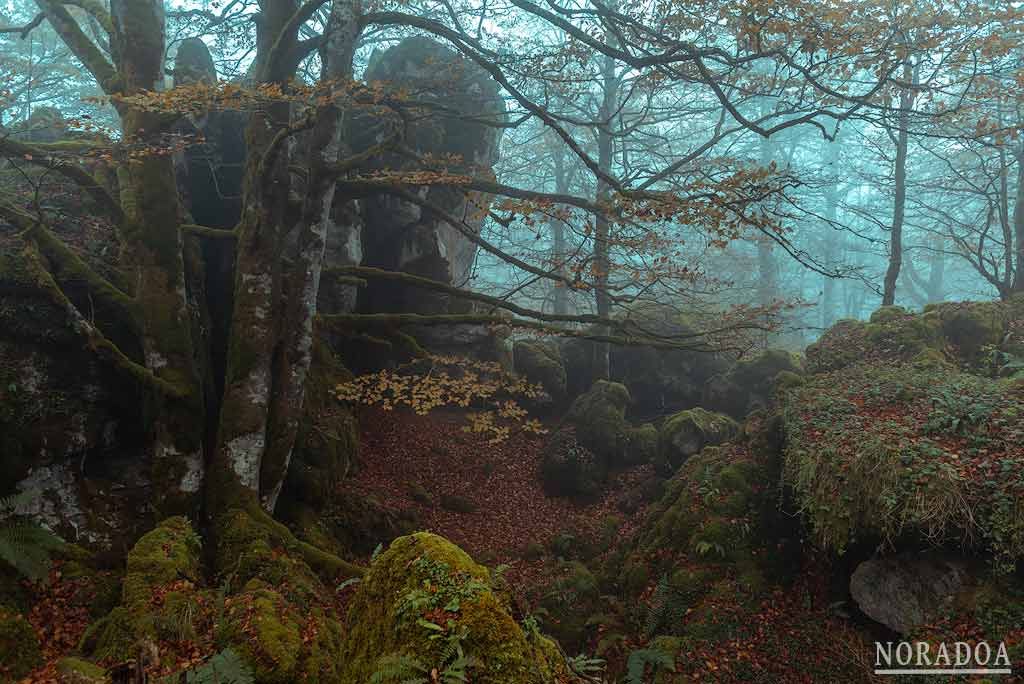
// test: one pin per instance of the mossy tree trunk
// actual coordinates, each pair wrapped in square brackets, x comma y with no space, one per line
[279,251]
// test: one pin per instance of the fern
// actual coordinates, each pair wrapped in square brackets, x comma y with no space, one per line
[405,669]
[668,607]
[399,667]
[24,545]
[585,666]
[225,667]
[636,666]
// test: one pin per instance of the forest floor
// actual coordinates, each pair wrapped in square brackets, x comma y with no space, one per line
[506,511]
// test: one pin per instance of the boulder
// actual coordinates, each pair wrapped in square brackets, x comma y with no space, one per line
[906,591]
[599,417]
[424,594]
[688,432]
[541,364]
[568,468]
[749,384]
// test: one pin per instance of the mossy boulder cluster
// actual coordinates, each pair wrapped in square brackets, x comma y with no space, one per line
[424,593]
[595,440]
[889,451]
[906,436]
[978,336]
[660,380]
[276,611]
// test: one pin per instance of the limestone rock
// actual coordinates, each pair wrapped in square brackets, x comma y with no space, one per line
[400,235]
[905,591]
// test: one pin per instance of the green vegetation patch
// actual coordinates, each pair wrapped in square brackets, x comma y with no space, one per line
[881,451]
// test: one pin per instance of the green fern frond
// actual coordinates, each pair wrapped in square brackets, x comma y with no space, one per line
[638,661]
[399,667]
[668,607]
[8,504]
[225,667]
[27,547]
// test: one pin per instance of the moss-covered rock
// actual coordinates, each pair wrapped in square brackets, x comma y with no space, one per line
[713,520]
[970,334]
[78,671]
[749,384]
[541,364]
[253,547]
[567,603]
[570,469]
[168,553]
[599,417]
[111,638]
[425,577]
[889,452]
[19,647]
[641,444]
[688,432]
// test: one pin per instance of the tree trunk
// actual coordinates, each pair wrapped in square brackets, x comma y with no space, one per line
[602,262]
[153,248]
[892,273]
[326,147]
[1018,227]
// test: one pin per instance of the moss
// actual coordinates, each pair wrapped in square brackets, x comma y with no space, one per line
[641,444]
[253,547]
[787,380]
[889,314]
[390,599]
[266,631]
[567,602]
[168,553]
[688,432]
[327,443]
[930,359]
[19,647]
[756,374]
[691,582]
[541,364]
[78,671]
[111,638]
[599,417]
[969,327]
[873,454]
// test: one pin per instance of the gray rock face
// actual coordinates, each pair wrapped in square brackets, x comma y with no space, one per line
[459,100]
[70,435]
[906,591]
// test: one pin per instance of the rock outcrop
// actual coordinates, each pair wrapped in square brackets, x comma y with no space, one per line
[905,592]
